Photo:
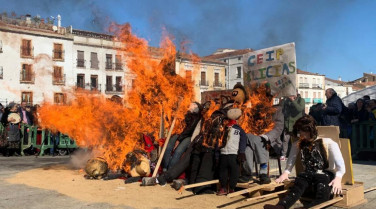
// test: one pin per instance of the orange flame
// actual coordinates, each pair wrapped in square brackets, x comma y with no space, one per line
[258,111]
[113,130]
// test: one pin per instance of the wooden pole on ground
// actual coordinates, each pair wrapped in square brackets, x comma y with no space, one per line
[255,188]
[189,186]
[164,148]
[266,196]
[369,189]
[327,203]
[201,184]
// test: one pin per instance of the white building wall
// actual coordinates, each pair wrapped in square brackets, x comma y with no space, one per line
[311,88]
[101,47]
[42,65]
[232,76]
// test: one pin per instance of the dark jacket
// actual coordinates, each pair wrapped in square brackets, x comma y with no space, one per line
[29,116]
[361,115]
[191,120]
[332,111]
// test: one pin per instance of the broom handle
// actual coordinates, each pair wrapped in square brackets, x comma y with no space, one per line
[164,148]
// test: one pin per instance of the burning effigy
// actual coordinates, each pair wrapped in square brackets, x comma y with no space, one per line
[112,130]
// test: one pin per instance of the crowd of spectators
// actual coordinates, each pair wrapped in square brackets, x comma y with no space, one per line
[13,118]
[334,112]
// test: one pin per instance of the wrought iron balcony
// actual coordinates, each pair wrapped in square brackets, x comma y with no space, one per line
[109,65]
[316,86]
[58,55]
[27,77]
[217,84]
[203,83]
[304,85]
[118,66]
[27,51]
[81,63]
[114,89]
[58,80]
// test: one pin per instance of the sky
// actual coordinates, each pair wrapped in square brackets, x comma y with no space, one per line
[336,38]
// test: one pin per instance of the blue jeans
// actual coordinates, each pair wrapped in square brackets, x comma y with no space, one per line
[55,139]
[170,160]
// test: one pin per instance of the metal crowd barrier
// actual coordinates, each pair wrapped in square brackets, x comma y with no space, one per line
[363,137]
[41,139]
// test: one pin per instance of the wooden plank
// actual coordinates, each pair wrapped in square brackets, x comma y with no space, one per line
[164,148]
[201,184]
[251,189]
[327,203]
[348,177]
[266,196]
[369,189]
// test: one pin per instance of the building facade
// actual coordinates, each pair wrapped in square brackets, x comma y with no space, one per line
[206,74]
[234,61]
[97,64]
[311,87]
[35,61]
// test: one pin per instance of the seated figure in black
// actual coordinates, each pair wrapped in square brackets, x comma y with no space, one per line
[322,162]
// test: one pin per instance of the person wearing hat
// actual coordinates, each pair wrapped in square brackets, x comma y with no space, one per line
[11,120]
[232,154]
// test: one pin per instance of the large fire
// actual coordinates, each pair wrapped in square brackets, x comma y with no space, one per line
[112,130]
[258,111]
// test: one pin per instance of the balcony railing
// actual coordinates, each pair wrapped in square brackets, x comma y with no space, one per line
[80,85]
[204,83]
[89,86]
[113,89]
[303,85]
[109,66]
[118,66]
[316,86]
[94,88]
[58,55]
[58,80]
[81,62]
[27,77]
[94,65]
[27,52]
[217,84]
[317,100]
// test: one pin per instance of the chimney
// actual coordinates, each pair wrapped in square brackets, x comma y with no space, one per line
[339,78]
[58,21]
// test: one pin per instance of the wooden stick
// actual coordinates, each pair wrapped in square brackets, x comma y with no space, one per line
[267,195]
[161,131]
[255,188]
[201,184]
[327,203]
[180,191]
[369,189]
[164,148]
